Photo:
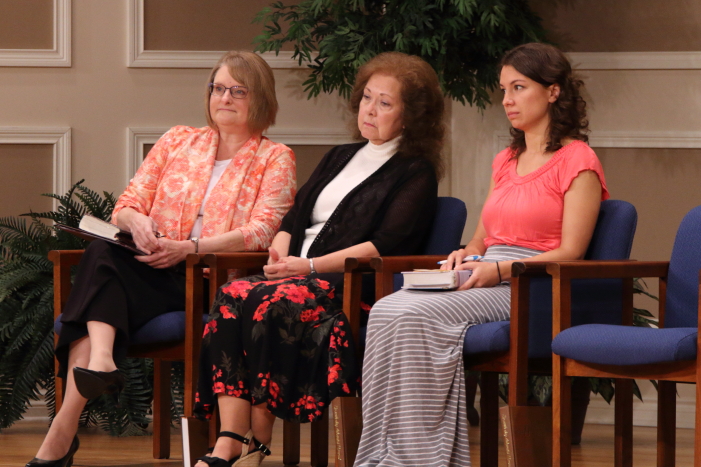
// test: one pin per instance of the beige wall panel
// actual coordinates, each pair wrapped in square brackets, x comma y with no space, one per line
[663,184]
[308,157]
[26,173]
[99,97]
[472,152]
[644,100]
[622,25]
[26,24]
[201,24]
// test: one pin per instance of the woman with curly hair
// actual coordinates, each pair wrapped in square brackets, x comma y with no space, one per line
[278,344]
[542,205]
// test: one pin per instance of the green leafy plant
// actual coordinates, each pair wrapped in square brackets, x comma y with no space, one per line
[26,319]
[462,39]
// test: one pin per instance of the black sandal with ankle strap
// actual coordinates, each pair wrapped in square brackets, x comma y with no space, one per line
[218,461]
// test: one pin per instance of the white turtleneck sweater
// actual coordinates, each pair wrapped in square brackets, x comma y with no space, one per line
[363,164]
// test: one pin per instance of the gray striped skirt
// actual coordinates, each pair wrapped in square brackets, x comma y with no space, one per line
[414,410]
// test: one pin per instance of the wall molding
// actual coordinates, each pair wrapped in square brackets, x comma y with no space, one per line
[138,57]
[58,56]
[138,137]
[626,139]
[635,60]
[59,137]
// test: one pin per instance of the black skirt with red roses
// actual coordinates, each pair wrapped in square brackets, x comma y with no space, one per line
[285,343]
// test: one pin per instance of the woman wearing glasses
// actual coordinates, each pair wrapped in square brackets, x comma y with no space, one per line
[223,187]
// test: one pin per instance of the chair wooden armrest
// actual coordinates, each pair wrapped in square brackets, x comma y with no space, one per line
[352,284]
[563,272]
[220,263]
[194,295]
[521,274]
[386,266]
[620,269]
[63,260]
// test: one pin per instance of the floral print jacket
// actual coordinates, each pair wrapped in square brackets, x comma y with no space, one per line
[254,193]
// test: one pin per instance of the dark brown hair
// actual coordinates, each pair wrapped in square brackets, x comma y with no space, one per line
[422,117]
[547,65]
[251,71]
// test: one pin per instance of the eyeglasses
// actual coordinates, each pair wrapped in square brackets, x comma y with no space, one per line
[237,92]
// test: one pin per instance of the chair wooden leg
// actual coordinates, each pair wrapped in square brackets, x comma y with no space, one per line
[666,423]
[161,409]
[489,426]
[623,415]
[562,416]
[697,433]
[290,443]
[320,441]
[348,424]
[473,417]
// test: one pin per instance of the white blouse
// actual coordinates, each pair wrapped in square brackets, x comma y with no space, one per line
[363,164]
[217,172]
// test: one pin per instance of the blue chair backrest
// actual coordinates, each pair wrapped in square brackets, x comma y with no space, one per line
[446,232]
[681,307]
[593,300]
[448,224]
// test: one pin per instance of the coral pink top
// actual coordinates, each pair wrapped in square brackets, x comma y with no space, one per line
[527,211]
[254,193]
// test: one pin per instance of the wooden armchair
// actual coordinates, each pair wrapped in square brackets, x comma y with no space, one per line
[624,352]
[182,342]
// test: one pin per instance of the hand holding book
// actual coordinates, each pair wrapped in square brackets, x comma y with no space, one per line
[143,229]
[91,228]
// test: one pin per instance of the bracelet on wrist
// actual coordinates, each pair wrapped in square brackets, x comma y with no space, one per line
[499,272]
[311,266]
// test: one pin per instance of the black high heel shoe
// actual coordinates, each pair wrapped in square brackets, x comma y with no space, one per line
[93,384]
[65,461]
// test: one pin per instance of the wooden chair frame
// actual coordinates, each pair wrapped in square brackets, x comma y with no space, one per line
[162,354]
[668,374]
[515,361]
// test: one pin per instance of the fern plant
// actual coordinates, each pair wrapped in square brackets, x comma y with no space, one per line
[463,40]
[26,318]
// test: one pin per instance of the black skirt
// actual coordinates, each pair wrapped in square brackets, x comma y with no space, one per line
[114,288]
[284,343]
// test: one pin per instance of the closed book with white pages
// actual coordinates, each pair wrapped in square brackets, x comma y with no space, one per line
[435,279]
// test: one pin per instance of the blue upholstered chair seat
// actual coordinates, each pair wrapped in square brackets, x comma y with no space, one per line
[168,327]
[487,338]
[626,345]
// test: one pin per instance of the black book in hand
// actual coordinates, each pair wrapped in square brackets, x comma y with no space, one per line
[91,228]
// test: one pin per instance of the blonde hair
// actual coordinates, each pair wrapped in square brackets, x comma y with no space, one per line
[251,71]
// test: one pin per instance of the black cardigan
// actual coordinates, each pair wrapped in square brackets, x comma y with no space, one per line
[393,208]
